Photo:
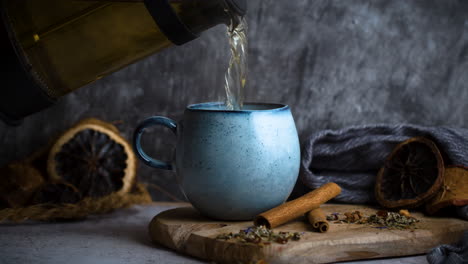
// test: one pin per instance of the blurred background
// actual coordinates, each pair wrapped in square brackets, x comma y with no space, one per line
[336,63]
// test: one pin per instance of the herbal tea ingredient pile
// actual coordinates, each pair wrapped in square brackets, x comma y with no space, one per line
[381,219]
[89,169]
[260,235]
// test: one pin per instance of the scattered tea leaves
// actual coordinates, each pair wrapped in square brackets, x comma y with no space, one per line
[381,219]
[261,235]
[393,220]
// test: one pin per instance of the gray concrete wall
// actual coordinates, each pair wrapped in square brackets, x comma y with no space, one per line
[336,63]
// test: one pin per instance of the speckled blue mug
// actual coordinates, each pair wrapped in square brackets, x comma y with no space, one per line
[231,165]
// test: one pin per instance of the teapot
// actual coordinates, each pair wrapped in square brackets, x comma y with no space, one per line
[50,48]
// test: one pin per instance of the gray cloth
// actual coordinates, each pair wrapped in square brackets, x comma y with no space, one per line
[352,156]
[450,254]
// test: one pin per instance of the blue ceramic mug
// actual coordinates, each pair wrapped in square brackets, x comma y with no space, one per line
[231,165]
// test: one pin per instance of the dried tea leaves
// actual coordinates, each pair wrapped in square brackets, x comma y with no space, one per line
[392,220]
[411,175]
[381,219]
[260,235]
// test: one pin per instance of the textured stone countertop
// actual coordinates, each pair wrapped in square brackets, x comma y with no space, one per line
[119,237]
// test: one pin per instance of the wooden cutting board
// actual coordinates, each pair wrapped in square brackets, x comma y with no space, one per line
[185,230]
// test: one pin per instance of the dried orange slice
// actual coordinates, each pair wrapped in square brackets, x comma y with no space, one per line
[454,191]
[93,157]
[412,174]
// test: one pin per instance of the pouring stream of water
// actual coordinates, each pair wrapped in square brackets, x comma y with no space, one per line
[236,74]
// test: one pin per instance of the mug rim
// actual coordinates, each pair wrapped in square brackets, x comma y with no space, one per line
[271,107]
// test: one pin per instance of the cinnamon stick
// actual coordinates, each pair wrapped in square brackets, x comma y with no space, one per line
[295,208]
[318,220]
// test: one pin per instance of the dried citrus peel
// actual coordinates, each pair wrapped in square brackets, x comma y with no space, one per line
[454,191]
[411,175]
[99,127]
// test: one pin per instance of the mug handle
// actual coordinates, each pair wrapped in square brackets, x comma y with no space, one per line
[152,121]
